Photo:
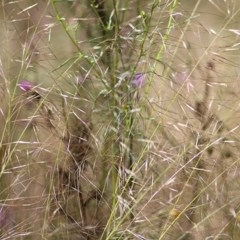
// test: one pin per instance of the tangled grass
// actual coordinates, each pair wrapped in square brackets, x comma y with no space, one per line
[119,119]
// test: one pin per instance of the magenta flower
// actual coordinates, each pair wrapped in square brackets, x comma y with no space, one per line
[25,85]
[138,80]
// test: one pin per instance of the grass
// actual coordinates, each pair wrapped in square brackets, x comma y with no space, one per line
[119,120]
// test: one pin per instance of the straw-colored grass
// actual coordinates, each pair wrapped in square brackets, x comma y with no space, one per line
[119,119]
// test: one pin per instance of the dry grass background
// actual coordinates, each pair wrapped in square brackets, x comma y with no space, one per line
[90,157]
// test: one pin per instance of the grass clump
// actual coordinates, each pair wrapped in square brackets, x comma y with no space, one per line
[119,120]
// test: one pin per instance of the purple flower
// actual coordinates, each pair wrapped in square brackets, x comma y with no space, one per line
[138,80]
[25,85]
